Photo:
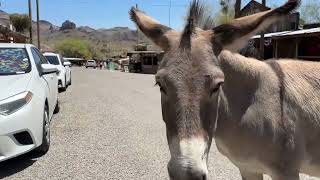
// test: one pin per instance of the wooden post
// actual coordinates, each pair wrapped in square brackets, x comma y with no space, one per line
[296,48]
[262,37]
[262,46]
[237,8]
[170,13]
[38,25]
[276,54]
[137,29]
[30,17]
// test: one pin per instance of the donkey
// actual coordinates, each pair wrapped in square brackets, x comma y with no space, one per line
[264,116]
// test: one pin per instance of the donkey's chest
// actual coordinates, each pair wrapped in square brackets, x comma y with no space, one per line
[241,157]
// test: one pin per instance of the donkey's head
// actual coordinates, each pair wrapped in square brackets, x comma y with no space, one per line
[190,78]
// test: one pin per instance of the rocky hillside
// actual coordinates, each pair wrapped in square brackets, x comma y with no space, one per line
[112,41]
[116,40]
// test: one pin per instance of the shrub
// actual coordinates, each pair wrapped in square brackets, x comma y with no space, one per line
[21,22]
[74,48]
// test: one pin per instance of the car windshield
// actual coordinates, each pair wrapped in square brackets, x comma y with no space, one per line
[14,61]
[53,60]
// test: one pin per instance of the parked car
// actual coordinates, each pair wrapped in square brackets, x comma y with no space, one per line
[91,63]
[64,76]
[28,100]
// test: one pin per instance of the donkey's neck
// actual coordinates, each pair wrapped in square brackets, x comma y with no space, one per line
[242,78]
[223,120]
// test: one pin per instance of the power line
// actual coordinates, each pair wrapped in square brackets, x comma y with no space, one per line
[170,5]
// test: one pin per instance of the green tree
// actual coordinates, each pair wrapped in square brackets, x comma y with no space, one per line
[74,48]
[21,22]
[310,12]
[96,52]
[226,13]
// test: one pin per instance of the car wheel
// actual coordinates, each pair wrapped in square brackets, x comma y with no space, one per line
[65,81]
[44,147]
[57,108]
[70,83]
[63,89]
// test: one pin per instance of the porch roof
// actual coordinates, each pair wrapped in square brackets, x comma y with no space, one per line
[301,32]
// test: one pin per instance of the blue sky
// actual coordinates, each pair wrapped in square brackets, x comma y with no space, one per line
[107,13]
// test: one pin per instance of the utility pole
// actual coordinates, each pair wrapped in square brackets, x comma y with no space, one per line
[170,4]
[170,7]
[262,37]
[237,8]
[30,17]
[138,31]
[38,25]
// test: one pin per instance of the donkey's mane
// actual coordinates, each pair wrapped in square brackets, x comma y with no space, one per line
[198,16]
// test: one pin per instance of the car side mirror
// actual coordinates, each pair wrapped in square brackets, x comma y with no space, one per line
[48,69]
[67,64]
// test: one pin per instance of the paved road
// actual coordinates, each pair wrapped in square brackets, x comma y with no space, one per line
[109,127]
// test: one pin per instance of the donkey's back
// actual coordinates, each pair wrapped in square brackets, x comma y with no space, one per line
[301,86]
[275,118]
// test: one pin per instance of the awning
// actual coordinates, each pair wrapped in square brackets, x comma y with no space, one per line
[289,33]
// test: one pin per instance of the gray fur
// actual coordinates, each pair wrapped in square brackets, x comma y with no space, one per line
[264,116]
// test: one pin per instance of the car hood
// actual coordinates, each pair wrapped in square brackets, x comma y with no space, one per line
[13,84]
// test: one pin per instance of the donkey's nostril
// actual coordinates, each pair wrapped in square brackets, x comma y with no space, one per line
[204,177]
[198,176]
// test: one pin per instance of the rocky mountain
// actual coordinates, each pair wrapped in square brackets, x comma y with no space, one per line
[117,40]
[114,39]
[68,25]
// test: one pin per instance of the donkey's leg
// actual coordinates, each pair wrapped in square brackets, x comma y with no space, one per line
[250,176]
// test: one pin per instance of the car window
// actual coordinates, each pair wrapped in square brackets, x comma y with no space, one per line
[37,58]
[14,61]
[62,59]
[42,58]
[53,59]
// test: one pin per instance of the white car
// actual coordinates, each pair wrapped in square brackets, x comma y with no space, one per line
[91,63]
[28,100]
[64,76]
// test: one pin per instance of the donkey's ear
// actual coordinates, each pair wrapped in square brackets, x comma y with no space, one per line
[235,35]
[159,34]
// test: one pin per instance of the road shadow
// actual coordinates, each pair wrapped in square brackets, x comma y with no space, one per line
[17,164]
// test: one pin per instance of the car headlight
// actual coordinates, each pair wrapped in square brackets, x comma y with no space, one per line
[14,103]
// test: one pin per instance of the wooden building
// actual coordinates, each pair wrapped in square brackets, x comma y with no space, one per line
[287,24]
[7,32]
[299,44]
[144,61]
[8,36]
[252,7]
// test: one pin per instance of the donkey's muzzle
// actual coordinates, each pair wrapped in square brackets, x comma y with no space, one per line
[187,171]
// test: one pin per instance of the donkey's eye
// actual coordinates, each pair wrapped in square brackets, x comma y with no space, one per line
[215,89]
[161,87]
